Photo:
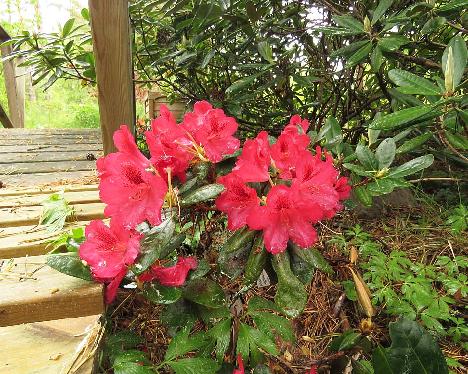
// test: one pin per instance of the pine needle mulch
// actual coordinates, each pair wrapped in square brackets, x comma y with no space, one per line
[418,230]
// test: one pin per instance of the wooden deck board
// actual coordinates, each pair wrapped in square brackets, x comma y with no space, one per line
[44,294]
[41,190]
[74,197]
[11,149]
[49,156]
[63,177]
[44,347]
[46,167]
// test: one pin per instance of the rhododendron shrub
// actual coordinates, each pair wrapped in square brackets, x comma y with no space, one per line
[193,183]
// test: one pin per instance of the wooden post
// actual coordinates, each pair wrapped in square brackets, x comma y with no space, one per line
[4,120]
[110,26]
[14,83]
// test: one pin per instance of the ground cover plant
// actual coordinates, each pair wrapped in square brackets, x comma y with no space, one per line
[200,223]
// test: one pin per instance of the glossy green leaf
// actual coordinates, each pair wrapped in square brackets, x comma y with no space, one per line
[385,186]
[413,84]
[67,27]
[131,368]
[290,296]
[376,59]
[202,194]
[234,253]
[350,23]
[358,170]
[69,264]
[205,292]
[460,54]
[250,339]
[256,262]
[345,341]
[380,10]
[363,195]
[195,365]
[159,294]
[360,55]
[393,42]
[207,58]
[457,140]
[273,325]
[362,367]
[257,303]
[433,24]
[221,334]
[453,6]
[385,153]
[413,351]
[414,143]
[412,166]
[241,84]
[183,343]
[331,132]
[402,117]
[349,49]
[366,157]
[264,48]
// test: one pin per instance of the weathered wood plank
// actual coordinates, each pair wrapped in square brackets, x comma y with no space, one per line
[78,197]
[46,167]
[112,51]
[46,189]
[30,240]
[48,156]
[29,215]
[33,292]
[55,140]
[10,149]
[66,131]
[46,347]
[29,180]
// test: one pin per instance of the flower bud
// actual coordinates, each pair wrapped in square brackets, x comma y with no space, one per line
[367,25]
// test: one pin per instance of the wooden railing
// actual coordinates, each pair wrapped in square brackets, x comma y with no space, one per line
[14,83]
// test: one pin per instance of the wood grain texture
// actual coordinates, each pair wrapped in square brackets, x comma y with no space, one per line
[49,156]
[62,178]
[72,197]
[10,149]
[29,215]
[6,192]
[110,27]
[46,167]
[14,84]
[44,347]
[44,294]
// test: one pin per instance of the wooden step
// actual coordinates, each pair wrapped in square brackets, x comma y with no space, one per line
[74,197]
[50,347]
[6,192]
[62,178]
[25,157]
[31,291]
[29,215]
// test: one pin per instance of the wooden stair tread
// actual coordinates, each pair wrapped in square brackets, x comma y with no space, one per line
[62,177]
[44,347]
[44,293]
[46,190]
[72,197]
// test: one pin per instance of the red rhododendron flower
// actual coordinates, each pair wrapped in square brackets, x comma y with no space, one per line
[169,145]
[237,200]
[109,251]
[240,366]
[343,188]
[172,276]
[285,216]
[252,165]
[313,370]
[285,153]
[125,143]
[296,125]
[213,130]
[131,193]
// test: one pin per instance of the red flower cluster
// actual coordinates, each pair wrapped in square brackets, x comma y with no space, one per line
[304,188]
[134,189]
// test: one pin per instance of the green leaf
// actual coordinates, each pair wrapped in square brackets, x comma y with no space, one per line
[202,194]
[460,54]
[412,166]
[159,294]
[385,153]
[221,334]
[412,84]
[259,303]
[380,10]
[363,195]
[345,341]
[366,157]
[360,55]
[392,43]
[271,325]
[256,262]
[376,59]
[240,84]
[55,211]
[385,186]
[233,254]
[348,49]
[350,23]
[413,351]
[414,143]
[433,24]
[290,296]
[362,367]
[69,264]
[194,365]
[67,27]
[331,132]
[358,170]
[402,117]
[183,343]
[207,58]
[205,292]
[456,140]
[250,339]
[85,13]
[452,6]
[264,48]
[131,368]
[312,258]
